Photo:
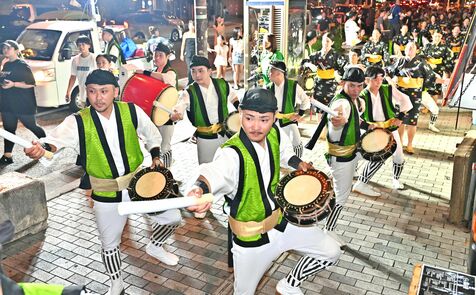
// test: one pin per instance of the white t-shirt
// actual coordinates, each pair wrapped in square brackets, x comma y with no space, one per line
[351,32]
[237,45]
[81,67]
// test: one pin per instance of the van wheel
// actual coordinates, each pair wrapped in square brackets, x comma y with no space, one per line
[174,36]
[75,104]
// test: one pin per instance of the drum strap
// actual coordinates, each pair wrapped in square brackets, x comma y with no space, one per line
[112,185]
[312,142]
[253,228]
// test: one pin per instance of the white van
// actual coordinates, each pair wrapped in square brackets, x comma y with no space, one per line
[49,46]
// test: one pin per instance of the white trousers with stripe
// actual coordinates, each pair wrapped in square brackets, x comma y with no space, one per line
[251,263]
[110,224]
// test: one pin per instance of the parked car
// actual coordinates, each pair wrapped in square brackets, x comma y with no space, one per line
[20,17]
[138,24]
[172,18]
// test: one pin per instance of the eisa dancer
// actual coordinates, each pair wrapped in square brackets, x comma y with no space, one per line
[246,169]
[412,74]
[288,95]
[165,73]
[329,65]
[106,135]
[375,51]
[385,107]
[343,136]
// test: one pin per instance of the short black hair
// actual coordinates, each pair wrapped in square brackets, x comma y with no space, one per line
[83,39]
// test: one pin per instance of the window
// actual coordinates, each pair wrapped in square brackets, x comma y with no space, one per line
[39,44]
[70,42]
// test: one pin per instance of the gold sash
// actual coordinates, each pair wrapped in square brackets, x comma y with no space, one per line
[406,82]
[435,61]
[215,128]
[340,151]
[112,185]
[402,48]
[253,228]
[281,116]
[374,58]
[456,49]
[326,74]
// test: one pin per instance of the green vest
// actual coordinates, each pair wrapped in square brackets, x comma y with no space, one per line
[385,93]
[289,100]
[114,43]
[49,289]
[98,160]
[198,111]
[41,289]
[351,131]
[251,202]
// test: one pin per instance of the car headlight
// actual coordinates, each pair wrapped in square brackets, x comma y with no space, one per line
[45,75]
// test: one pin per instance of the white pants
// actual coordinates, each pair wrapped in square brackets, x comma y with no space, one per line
[292,132]
[342,174]
[206,148]
[110,224]
[398,154]
[166,131]
[250,263]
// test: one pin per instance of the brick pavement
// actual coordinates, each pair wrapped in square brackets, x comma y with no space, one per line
[386,235]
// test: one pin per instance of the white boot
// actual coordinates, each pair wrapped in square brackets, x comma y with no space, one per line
[364,189]
[161,254]
[433,128]
[283,288]
[117,287]
[336,238]
[396,184]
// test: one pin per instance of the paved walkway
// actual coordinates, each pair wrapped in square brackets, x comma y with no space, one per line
[386,235]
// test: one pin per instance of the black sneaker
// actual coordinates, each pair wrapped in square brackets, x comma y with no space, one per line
[6,160]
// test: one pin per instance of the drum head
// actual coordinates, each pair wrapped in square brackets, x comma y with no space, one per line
[150,185]
[305,196]
[168,97]
[233,123]
[375,141]
[302,190]
[309,83]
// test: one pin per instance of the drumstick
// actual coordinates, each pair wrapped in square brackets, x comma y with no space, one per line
[163,108]
[139,207]
[24,143]
[324,108]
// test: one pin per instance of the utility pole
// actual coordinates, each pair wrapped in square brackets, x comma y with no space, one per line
[201,26]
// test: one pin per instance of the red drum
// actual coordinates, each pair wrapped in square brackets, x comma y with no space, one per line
[146,92]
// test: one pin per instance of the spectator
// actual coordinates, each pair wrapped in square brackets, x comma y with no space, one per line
[236,56]
[187,50]
[113,48]
[81,65]
[154,40]
[323,23]
[219,27]
[351,30]
[394,18]
[221,58]
[18,97]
